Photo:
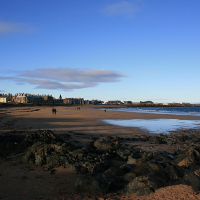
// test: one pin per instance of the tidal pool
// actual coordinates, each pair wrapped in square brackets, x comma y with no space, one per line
[156,125]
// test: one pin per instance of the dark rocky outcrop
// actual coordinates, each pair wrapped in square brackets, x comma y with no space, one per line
[144,167]
[146,184]
[41,153]
[47,148]
[107,144]
[189,158]
[46,136]
[91,185]
[141,172]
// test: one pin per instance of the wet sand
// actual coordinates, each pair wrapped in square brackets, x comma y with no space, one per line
[85,120]
[22,181]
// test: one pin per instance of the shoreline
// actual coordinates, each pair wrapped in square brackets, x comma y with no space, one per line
[78,127]
[83,125]
[85,119]
[7,105]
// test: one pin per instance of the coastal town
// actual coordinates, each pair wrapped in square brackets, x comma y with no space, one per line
[22,98]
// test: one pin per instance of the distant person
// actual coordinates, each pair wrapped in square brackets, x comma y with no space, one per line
[105,110]
[55,111]
[52,111]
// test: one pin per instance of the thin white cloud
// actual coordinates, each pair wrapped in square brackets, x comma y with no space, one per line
[126,8]
[74,75]
[7,27]
[65,78]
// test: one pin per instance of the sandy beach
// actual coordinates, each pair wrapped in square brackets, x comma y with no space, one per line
[23,181]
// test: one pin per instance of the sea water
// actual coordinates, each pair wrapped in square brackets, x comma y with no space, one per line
[194,111]
[158,125]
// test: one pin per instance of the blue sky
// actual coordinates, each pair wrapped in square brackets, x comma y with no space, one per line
[101,49]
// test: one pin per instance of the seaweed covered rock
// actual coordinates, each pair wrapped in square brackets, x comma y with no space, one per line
[135,171]
[146,184]
[41,153]
[89,160]
[140,186]
[107,144]
[124,153]
[91,185]
[189,158]
[145,167]
[112,172]
[46,136]
[192,178]
[83,160]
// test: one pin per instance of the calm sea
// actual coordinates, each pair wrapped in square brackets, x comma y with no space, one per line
[158,125]
[162,110]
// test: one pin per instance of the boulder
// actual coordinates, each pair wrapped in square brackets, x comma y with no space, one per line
[90,185]
[129,177]
[124,153]
[192,178]
[146,184]
[189,158]
[139,186]
[131,160]
[145,167]
[106,145]
[46,136]
[41,153]
[113,172]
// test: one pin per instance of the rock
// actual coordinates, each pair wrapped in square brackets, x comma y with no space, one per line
[163,136]
[49,169]
[193,179]
[189,158]
[170,141]
[131,160]
[99,168]
[145,167]
[46,136]
[90,185]
[40,159]
[112,172]
[186,162]
[116,184]
[166,176]
[157,140]
[124,153]
[127,167]
[138,186]
[174,172]
[129,177]
[146,184]
[192,140]
[106,144]
[79,169]
[41,153]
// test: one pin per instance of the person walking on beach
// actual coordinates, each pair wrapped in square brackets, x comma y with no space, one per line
[52,111]
[55,111]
